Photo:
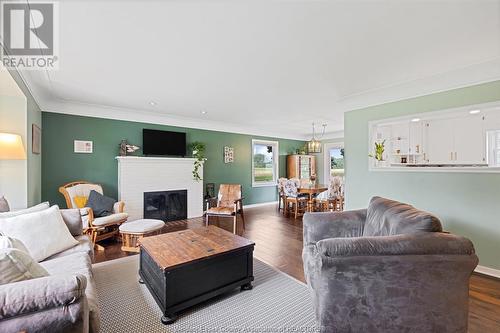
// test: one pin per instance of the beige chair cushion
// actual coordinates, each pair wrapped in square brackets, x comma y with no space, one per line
[110,219]
[228,193]
[221,211]
[82,190]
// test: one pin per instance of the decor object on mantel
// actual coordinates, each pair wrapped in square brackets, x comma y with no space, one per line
[126,148]
[314,145]
[198,149]
[228,154]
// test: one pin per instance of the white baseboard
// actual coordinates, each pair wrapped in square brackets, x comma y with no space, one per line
[261,204]
[488,271]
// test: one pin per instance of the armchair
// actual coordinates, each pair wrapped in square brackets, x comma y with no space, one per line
[229,204]
[98,228]
[388,268]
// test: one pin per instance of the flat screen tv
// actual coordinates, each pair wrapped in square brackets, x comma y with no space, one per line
[163,143]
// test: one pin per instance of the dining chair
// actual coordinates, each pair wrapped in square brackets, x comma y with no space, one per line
[332,199]
[281,194]
[293,199]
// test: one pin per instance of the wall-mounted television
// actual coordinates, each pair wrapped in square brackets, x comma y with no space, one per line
[163,143]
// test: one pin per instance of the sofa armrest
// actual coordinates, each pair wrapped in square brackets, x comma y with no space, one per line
[25,297]
[318,226]
[118,207]
[425,243]
[73,220]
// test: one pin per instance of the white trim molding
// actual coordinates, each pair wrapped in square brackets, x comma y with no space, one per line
[488,271]
[261,204]
[276,160]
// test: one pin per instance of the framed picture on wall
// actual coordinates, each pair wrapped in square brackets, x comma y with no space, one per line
[228,154]
[36,139]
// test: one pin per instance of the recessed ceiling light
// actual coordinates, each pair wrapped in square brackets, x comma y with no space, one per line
[203,112]
[152,103]
[474,111]
[415,120]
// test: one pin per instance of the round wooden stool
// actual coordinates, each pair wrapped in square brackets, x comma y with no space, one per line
[133,231]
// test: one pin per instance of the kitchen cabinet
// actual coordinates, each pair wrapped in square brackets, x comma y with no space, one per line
[458,140]
[300,166]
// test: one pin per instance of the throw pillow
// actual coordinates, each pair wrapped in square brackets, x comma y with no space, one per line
[37,208]
[80,201]
[17,265]
[4,205]
[9,242]
[44,233]
[100,204]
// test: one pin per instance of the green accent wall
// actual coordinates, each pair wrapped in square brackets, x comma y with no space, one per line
[61,165]
[467,203]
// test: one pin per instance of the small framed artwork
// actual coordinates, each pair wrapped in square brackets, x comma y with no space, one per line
[83,147]
[228,154]
[36,139]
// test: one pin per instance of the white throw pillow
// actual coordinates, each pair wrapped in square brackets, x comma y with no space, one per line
[37,208]
[9,242]
[44,233]
[17,265]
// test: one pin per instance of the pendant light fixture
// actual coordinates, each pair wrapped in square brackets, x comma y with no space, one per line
[314,145]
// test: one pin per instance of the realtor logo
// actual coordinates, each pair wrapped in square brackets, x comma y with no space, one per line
[29,34]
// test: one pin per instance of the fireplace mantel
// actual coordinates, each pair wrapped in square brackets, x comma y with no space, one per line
[137,175]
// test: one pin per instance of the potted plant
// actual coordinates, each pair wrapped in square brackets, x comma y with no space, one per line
[198,151]
[379,151]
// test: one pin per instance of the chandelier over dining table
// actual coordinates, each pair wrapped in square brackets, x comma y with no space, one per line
[314,145]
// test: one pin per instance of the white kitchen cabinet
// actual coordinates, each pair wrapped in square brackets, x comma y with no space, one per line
[439,141]
[455,141]
[469,146]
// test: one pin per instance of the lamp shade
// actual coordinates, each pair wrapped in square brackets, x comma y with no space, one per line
[11,147]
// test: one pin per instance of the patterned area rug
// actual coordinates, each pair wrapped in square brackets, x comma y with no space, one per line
[277,303]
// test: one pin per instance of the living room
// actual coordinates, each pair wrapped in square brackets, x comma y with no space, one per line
[256,167]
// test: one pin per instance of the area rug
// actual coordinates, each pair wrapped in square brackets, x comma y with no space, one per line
[277,303]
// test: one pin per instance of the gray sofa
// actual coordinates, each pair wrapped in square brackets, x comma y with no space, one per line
[388,268]
[65,301]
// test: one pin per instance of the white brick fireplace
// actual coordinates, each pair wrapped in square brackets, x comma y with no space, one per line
[137,175]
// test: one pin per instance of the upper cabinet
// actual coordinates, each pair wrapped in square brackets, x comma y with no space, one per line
[467,138]
[300,166]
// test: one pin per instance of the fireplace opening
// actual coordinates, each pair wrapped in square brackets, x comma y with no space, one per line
[165,205]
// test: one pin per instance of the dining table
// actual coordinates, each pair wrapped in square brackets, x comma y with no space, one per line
[311,190]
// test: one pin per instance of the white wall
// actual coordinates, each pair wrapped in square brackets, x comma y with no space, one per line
[13,118]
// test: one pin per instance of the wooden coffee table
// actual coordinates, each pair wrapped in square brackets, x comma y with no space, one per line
[187,267]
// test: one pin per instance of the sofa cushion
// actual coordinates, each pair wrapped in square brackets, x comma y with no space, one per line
[78,263]
[84,245]
[37,208]
[4,205]
[101,205]
[388,217]
[73,221]
[44,233]
[17,265]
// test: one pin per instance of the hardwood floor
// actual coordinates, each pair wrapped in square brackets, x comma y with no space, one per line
[279,243]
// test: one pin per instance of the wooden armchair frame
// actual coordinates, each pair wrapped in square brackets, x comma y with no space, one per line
[237,209]
[96,233]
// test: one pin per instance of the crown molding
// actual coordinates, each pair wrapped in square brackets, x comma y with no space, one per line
[142,116]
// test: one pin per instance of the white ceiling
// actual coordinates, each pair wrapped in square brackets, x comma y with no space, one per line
[263,67]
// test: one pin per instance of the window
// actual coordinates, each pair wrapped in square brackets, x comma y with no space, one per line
[333,160]
[264,163]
